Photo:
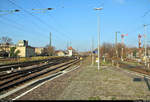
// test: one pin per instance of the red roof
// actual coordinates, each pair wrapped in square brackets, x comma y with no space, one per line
[70,48]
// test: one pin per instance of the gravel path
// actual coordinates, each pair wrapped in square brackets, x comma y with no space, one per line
[87,83]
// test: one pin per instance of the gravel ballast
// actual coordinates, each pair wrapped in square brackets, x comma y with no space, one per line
[88,83]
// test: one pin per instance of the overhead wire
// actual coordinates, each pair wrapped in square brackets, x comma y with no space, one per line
[30,14]
[55,29]
[18,26]
[146,13]
[36,17]
[56,21]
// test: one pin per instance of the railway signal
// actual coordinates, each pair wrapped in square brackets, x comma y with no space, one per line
[122,37]
[140,50]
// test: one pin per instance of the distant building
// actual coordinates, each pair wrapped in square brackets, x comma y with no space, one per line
[22,46]
[5,47]
[70,50]
[25,49]
[39,50]
[60,53]
[22,43]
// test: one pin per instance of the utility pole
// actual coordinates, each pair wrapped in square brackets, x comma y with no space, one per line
[116,45]
[116,48]
[67,45]
[92,52]
[50,42]
[70,43]
[145,44]
[99,42]
[122,37]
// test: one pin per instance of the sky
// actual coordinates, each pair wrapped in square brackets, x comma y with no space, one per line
[74,22]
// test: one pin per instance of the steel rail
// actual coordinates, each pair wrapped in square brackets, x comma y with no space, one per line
[29,76]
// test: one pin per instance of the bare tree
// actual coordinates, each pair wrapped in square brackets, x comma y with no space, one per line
[5,40]
[119,48]
[4,43]
[107,50]
[49,50]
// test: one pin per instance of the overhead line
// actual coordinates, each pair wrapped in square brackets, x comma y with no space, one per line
[20,27]
[56,22]
[37,18]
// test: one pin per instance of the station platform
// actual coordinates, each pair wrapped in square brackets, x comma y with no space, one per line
[89,83]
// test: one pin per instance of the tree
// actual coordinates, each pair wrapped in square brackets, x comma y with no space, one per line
[119,48]
[14,52]
[4,54]
[134,53]
[4,43]
[5,40]
[107,49]
[49,51]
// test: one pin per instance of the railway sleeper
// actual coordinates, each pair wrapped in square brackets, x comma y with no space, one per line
[36,75]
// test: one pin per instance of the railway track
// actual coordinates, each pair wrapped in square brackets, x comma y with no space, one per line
[28,68]
[5,67]
[11,80]
[136,68]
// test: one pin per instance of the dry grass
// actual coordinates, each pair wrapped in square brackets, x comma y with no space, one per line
[25,59]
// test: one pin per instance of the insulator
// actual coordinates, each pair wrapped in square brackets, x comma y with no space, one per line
[49,8]
[17,10]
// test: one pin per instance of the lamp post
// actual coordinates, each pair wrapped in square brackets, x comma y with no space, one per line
[98,36]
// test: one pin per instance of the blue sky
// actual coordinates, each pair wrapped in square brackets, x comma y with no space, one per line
[74,21]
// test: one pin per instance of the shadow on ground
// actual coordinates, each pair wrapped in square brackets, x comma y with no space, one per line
[141,79]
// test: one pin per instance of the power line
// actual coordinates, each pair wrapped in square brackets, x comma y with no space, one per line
[19,27]
[56,21]
[146,13]
[22,30]
[37,18]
